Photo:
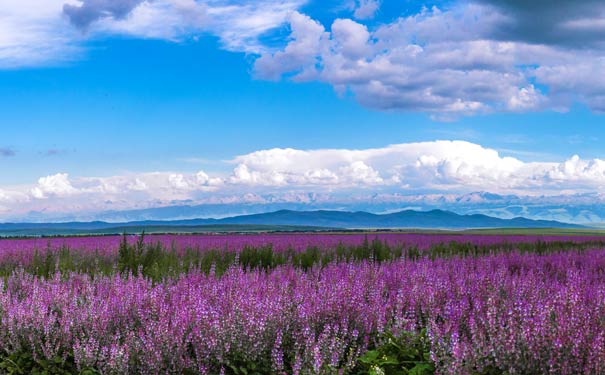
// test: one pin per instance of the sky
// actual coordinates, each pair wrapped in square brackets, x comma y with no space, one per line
[121,105]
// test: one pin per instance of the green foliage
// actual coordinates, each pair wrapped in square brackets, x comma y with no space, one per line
[24,363]
[247,369]
[406,354]
[238,364]
[490,370]
[157,261]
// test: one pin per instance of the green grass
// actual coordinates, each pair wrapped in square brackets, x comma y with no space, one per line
[157,261]
[162,229]
[539,231]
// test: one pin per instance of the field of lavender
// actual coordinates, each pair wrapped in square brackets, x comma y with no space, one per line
[386,303]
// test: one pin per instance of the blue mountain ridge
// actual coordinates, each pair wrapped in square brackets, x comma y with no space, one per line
[433,219]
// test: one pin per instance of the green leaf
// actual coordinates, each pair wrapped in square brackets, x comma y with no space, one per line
[388,361]
[422,369]
[375,370]
[369,357]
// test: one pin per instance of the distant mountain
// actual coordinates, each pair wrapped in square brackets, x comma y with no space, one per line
[401,219]
[290,220]
[162,228]
[585,208]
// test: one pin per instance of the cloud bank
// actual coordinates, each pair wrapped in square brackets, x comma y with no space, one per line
[465,58]
[46,32]
[477,57]
[423,168]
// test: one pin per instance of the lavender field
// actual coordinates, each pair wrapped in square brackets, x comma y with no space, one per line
[303,304]
[21,249]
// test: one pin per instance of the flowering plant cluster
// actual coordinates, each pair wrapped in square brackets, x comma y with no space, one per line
[24,248]
[511,312]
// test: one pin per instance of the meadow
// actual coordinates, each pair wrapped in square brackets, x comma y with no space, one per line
[378,303]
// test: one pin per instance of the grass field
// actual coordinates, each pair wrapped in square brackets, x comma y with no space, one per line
[258,228]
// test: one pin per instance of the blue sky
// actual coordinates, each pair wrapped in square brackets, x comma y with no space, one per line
[145,103]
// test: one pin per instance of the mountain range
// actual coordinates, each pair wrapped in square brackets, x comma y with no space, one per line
[585,209]
[289,220]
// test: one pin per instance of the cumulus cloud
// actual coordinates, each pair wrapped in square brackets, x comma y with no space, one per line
[366,9]
[582,81]
[438,167]
[300,55]
[467,59]
[463,58]
[57,185]
[360,172]
[527,98]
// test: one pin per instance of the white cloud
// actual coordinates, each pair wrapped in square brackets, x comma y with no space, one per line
[578,170]
[39,32]
[447,167]
[466,58]
[366,9]
[360,172]
[237,24]
[350,39]
[440,165]
[53,185]
[580,79]
[33,32]
[161,19]
[444,62]
[177,181]
[527,98]
[299,55]
[137,185]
